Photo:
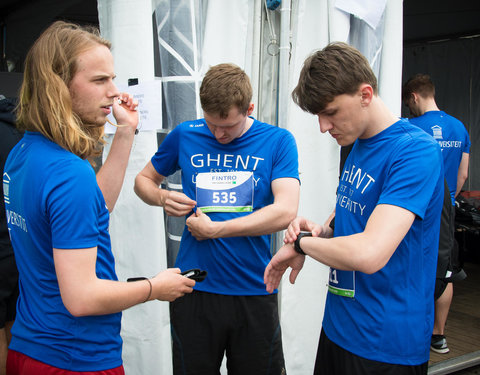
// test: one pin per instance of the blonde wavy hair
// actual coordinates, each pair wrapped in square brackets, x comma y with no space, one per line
[45,104]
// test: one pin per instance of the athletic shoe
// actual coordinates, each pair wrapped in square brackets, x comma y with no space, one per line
[439,344]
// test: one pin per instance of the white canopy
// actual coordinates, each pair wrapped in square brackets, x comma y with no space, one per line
[204,33]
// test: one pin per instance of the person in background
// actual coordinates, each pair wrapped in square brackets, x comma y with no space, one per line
[383,249]
[70,302]
[9,136]
[240,183]
[418,94]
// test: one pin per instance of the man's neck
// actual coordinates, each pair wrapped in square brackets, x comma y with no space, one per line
[428,105]
[248,124]
[380,118]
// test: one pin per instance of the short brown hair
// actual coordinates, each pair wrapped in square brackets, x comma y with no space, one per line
[223,87]
[45,104]
[420,84]
[335,70]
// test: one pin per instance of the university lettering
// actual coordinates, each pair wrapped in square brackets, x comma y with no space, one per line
[450,144]
[16,219]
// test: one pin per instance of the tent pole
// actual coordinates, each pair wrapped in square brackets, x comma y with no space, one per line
[283,70]
[283,94]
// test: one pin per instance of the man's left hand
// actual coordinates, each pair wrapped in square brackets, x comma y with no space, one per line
[201,227]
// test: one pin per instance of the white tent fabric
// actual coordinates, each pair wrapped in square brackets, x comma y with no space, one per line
[231,35]
[137,230]
[371,11]
[302,304]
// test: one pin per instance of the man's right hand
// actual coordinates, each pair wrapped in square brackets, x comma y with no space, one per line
[301,224]
[169,285]
[177,204]
[147,188]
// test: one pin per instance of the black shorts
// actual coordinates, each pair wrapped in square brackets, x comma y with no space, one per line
[455,272]
[449,268]
[446,237]
[245,328]
[8,289]
[334,360]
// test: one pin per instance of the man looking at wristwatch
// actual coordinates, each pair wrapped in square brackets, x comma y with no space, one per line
[379,310]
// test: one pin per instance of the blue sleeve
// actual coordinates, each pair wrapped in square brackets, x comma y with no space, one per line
[413,176]
[165,160]
[285,163]
[466,143]
[73,205]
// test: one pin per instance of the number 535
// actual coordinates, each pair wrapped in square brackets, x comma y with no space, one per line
[224,197]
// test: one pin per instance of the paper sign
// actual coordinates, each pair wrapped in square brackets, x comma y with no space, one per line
[149,96]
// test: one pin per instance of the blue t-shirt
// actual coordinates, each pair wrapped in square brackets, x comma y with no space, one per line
[388,316]
[453,139]
[53,201]
[235,265]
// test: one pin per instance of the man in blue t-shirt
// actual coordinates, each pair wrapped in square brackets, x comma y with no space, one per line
[418,94]
[240,184]
[69,308]
[379,311]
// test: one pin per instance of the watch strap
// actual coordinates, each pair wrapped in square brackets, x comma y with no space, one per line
[297,247]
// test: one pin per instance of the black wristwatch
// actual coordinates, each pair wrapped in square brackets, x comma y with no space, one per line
[298,249]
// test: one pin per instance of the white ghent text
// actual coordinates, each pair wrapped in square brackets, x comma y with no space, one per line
[247,162]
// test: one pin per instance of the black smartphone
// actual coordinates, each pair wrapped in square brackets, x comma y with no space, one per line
[136,279]
[195,274]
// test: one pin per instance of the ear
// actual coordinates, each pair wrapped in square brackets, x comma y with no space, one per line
[250,109]
[366,93]
[415,97]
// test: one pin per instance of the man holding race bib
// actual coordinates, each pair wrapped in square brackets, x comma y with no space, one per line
[240,184]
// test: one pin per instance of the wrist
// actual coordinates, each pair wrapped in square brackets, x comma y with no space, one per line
[163,196]
[297,246]
[218,229]
[150,290]
[126,130]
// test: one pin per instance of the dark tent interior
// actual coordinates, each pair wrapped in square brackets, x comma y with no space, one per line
[22,21]
[442,39]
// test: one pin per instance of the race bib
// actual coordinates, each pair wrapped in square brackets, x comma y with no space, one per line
[342,283]
[225,192]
